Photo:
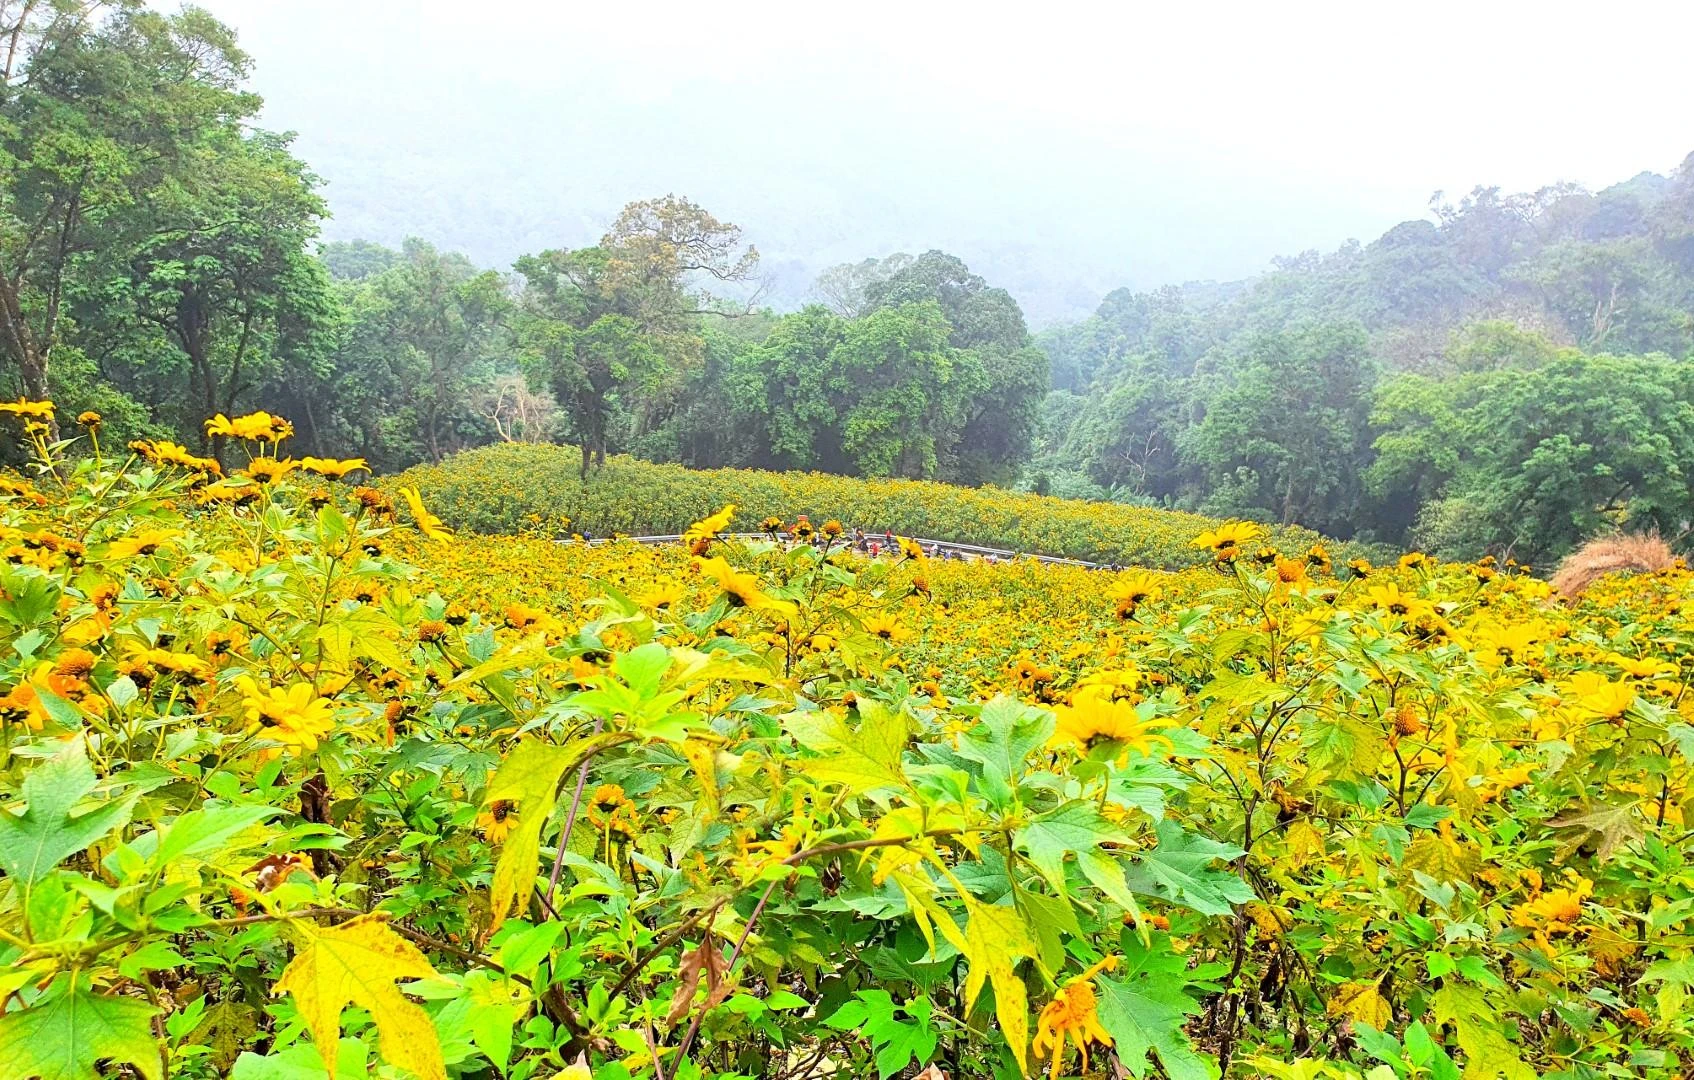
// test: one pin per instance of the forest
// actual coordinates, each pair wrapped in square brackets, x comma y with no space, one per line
[1506,377]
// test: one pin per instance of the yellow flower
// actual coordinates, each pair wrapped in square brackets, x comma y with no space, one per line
[1093,717]
[1511,644]
[498,820]
[1389,598]
[662,595]
[1072,1013]
[743,590]
[1225,541]
[1288,572]
[257,427]
[296,716]
[1599,696]
[145,542]
[90,419]
[23,705]
[887,629]
[268,470]
[701,532]
[36,410]
[333,468]
[1556,911]
[163,452]
[1133,589]
[1641,668]
[1414,560]
[427,523]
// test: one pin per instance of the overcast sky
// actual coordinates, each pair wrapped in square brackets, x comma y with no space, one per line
[1062,148]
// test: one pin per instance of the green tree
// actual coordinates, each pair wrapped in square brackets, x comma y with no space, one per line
[228,278]
[105,114]
[612,330]
[1531,462]
[882,395]
[999,420]
[421,342]
[1282,433]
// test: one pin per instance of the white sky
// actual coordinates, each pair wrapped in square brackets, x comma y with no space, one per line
[1078,146]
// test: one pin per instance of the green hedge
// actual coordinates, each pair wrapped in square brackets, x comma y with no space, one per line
[514,488]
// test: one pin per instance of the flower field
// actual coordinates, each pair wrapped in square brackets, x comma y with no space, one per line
[514,488]
[297,782]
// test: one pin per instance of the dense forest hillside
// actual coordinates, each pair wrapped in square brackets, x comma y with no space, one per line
[1508,376]
[1485,378]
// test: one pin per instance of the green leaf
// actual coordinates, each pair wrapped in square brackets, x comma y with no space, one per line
[1007,732]
[301,1062]
[1342,745]
[62,1039]
[33,843]
[1180,870]
[200,833]
[643,668]
[1143,1009]
[862,760]
[524,950]
[1072,828]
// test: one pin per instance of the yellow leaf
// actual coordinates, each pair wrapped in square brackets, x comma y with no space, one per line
[1363,1002]
[1441,858]
[1304,843]
[358,963]
[529,778]
[995,939]
[702,756]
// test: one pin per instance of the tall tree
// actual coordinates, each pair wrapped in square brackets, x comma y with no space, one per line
[999,422]
[105,111]
[423,341]
[613,329]
[227,276]
[1282,432]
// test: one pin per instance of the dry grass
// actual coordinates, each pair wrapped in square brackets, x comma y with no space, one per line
[1625,552]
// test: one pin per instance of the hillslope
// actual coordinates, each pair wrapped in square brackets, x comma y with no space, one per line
[517,487]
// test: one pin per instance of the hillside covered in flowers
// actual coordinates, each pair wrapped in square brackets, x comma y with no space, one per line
[297,782]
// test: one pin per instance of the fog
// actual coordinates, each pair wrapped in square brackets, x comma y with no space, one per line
[1061,149]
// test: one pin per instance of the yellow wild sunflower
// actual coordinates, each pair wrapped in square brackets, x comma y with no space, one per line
[700,534]
[295,717]
[333,468]
[743,590]
[427,523]
[1094,718]
[254,427]
[1389,598]
[1133,589]
[146,542]
[887,629]
[1225,541]
[1599,697]
[1556,911]
[498,820]
[1074,1014]
[268,470]
[30,410]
